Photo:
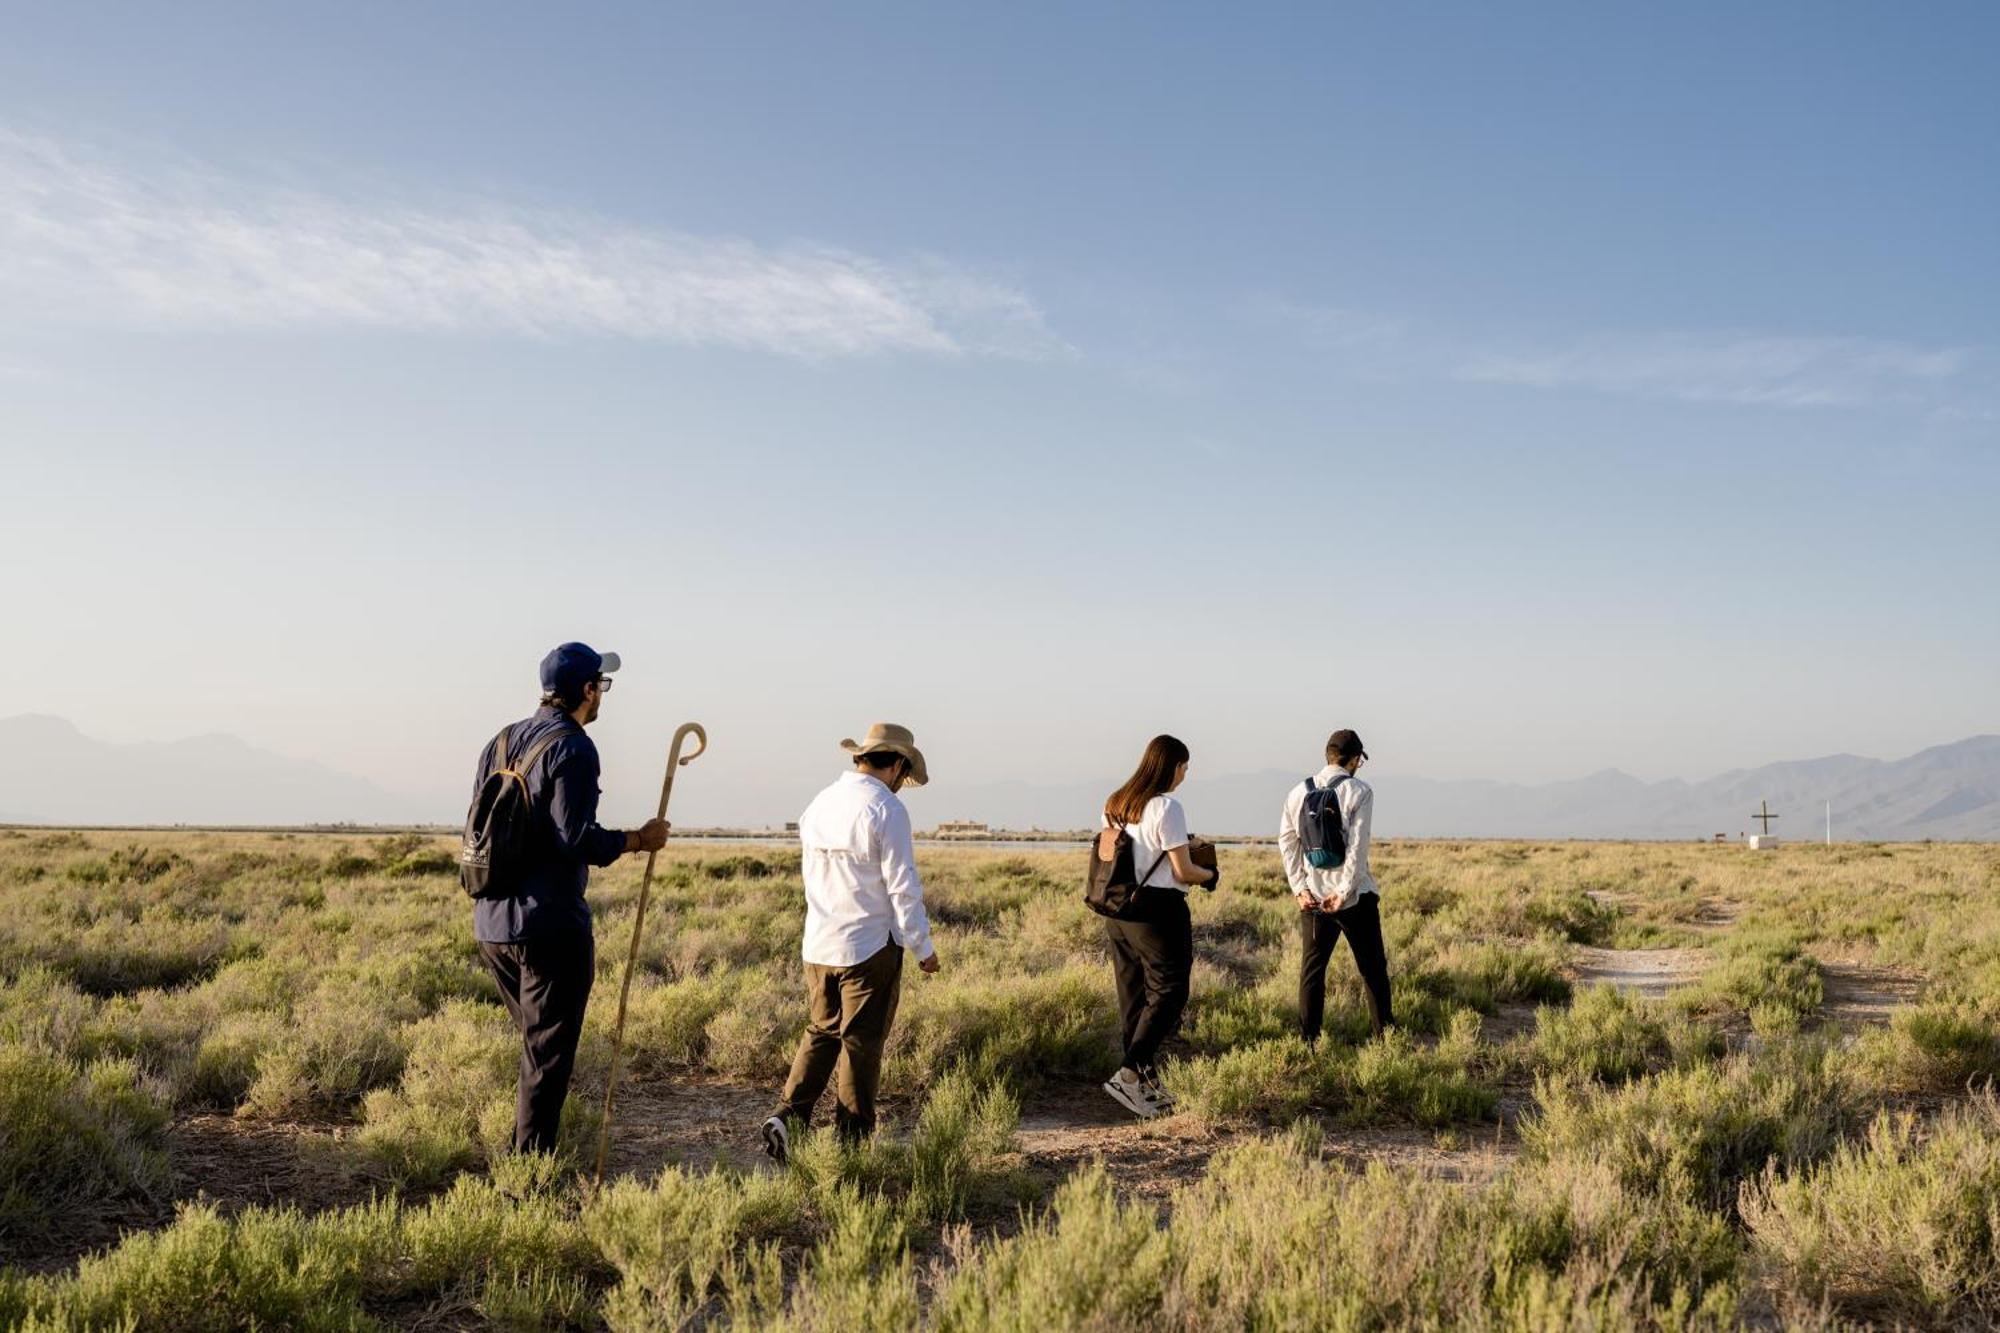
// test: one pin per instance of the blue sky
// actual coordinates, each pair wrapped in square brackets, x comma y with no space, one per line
[1537,389]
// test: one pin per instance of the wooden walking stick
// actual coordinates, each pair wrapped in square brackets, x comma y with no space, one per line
[675,761]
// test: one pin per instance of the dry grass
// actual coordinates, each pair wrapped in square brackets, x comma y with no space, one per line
[1705,1157]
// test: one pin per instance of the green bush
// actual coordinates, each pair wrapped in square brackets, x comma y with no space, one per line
[1697,1132]
[1902,1227]
[1089,1262]
[1391,1079]
[277,1268]
[454,1104]
[1610,1035]
[73,1136]
[1760,974]
[1940,1047]
[676,1242]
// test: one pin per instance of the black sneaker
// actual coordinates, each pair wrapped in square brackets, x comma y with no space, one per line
[777,1140]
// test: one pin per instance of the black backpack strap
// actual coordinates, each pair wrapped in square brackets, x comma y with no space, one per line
[520,772]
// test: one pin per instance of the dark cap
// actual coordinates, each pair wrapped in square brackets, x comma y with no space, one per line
[1343,745]
[571,666]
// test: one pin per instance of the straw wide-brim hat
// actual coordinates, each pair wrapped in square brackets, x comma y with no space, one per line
[888,738]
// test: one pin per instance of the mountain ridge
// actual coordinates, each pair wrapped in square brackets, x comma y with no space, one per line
[55,774]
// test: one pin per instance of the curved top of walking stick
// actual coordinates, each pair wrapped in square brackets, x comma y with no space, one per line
[685,730]
[676,760]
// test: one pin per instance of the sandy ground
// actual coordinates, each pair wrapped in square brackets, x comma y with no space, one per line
[1651,973]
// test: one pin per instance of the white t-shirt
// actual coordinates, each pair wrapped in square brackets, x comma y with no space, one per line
[1162,828]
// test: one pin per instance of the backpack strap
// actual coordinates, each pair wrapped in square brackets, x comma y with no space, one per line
[519,772]
[1121,827]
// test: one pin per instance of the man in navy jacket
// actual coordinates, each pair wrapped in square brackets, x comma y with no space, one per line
[538,943]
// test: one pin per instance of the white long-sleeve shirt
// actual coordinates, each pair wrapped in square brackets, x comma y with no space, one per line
[1344,884]
[860,869]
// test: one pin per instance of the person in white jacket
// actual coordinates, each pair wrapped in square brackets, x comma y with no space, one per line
[864,907]
[1341,900]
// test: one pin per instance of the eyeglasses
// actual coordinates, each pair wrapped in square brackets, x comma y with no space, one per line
[603,684]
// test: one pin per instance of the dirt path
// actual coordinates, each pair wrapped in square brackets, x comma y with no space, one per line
[1859,995]
[1650,973]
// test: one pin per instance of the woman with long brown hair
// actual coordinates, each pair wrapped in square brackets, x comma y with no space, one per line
[1152,947]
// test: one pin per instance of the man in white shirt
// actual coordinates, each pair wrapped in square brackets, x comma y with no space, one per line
[1339,900]
[864,906]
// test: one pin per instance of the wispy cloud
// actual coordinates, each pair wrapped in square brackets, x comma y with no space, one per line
[84,237]
[1946,383]
[1766,371]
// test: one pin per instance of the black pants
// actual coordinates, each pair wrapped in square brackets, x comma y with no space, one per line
[1318,933]
[545,984]
[1151,956]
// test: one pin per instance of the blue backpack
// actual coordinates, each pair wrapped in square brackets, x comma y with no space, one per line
[1322,832]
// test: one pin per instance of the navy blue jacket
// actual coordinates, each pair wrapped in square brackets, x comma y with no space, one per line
[562,791]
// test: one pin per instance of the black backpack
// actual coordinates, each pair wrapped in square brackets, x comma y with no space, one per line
[499,828]
[1112,889]
[1322,833]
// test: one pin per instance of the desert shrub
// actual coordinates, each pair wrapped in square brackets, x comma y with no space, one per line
[1224,1017]
[115,955]
[1517,911]
[859,1276]
[1273,1238]
[1253,1239]
[420,861]
[1939,1047]
[955,1155]
[666,1024]
[1697,1132]
[961,1135]
[1394,1078]
[261,1270]
[1276,1079]
[1762,974]
[756,1031]
[40,1008]
[1610,1035]
[1903,1227]
[330,1053]
[1089,1262]
[676,1241]
[1057,1025]
[73,1135]
[277,1268]
[455,1101]
[1483,974]
[749,866]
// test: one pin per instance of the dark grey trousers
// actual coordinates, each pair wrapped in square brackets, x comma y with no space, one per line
[545,984]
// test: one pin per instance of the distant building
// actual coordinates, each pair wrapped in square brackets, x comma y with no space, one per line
[963,828]
[791,826]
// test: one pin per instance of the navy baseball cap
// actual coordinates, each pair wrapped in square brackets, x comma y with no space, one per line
[571,666]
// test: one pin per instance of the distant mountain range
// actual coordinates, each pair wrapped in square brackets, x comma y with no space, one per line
[1949,791]
[50,773]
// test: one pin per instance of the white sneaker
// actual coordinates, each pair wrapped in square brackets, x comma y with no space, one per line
[1163,1101]
[1129,1091]
[777,1140]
